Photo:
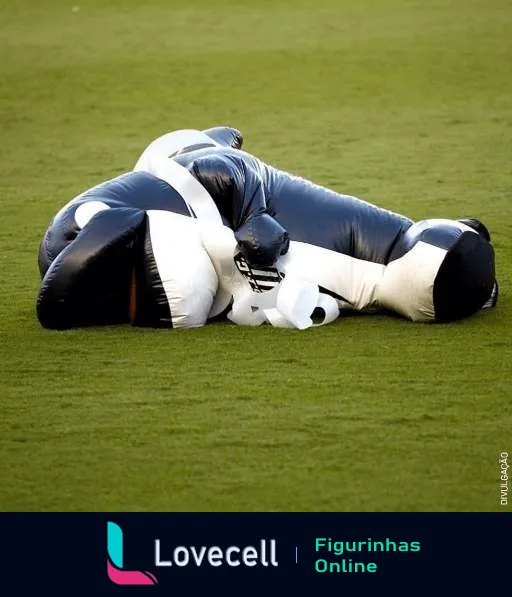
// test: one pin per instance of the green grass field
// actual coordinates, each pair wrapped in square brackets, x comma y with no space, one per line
[404,103]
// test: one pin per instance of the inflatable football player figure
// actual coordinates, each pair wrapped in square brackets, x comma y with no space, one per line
[201,229]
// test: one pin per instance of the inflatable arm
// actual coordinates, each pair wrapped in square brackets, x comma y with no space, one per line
[239,192]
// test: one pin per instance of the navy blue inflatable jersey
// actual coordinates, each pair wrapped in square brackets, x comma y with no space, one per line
[100,262]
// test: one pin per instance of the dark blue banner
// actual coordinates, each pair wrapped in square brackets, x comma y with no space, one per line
[246,554]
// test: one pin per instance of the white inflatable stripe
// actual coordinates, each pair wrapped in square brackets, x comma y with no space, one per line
[170,143]
[155,160]
[192,191]
[187,274]
[86,211]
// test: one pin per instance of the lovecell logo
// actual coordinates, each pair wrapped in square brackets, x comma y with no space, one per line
[263,555]
[115,570]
